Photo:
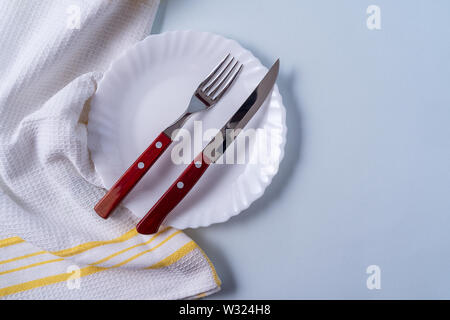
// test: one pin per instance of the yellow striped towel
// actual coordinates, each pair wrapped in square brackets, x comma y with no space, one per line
[52,244]
[130,266]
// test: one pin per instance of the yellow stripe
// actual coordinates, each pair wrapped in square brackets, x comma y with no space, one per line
[56,260]
[213,270]
[88,271]
[10,241]
[93,244]
[46,281]
[146,251]
[30,266]
[115,266]
[66,252]
[174,257]
[23,257]
[132,247]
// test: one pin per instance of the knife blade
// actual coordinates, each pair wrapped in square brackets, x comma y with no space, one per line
[210,154]
[218,145]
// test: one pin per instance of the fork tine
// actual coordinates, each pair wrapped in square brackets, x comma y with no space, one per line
[218,77]
[229,83]
[204,82]
[225,78]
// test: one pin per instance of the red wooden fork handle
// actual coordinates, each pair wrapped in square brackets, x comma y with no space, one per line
[177,191]
[132,176]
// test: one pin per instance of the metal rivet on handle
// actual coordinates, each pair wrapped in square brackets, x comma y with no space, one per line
[180,185]
[158,144]
[198,164]
[141,165]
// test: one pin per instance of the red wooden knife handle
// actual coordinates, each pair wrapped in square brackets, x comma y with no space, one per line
[132,176]
[177,191]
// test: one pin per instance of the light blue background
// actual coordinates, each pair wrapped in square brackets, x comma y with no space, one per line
[366,175]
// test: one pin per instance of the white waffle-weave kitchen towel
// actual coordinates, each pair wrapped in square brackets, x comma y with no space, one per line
[52,244]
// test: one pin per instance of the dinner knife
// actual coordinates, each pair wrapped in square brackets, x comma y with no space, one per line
[210,154]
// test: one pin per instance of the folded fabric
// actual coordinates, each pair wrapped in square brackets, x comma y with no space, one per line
[52,244]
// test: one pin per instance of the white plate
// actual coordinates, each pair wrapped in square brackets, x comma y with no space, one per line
[149,87]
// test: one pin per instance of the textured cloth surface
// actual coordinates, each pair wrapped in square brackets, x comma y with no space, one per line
[50,63]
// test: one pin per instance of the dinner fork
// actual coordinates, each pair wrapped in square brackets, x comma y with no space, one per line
[207,94]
